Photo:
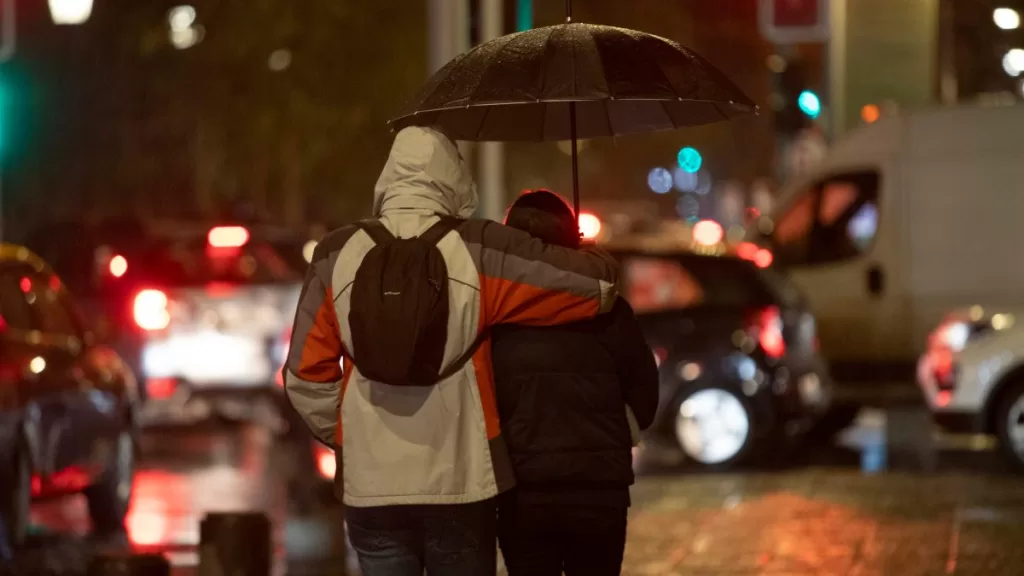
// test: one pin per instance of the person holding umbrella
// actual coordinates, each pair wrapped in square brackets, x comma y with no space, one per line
[564,396]
[408,300]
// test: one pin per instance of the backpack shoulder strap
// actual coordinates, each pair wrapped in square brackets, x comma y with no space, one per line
[377,232]
[440,229]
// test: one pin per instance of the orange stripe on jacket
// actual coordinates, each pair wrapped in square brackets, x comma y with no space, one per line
[485,383]
[509,302]
[322,350]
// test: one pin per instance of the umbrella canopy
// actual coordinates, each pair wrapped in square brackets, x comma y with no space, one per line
[572,81]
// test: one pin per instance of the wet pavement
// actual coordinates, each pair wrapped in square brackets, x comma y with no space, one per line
[833,511]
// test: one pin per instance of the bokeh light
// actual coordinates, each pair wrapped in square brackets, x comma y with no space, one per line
[684,181]
[870,113]
[688,208]
[659,180]
[1013,62]
[689,159]
[708,232]
[590,225]
[1006,18]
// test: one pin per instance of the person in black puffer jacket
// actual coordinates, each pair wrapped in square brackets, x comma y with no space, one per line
[565,395]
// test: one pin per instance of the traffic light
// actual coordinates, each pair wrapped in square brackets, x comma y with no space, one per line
[524,15]
[797,104]
[809,104]
[690,160]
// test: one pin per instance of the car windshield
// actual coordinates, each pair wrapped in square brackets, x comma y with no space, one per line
[193,263]
[655,283]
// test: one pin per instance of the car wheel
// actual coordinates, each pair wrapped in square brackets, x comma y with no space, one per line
[16,499]
[714,427]
[110,496]
[1010,425]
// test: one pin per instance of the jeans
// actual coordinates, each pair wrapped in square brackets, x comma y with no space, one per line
[545,539]
[443,539]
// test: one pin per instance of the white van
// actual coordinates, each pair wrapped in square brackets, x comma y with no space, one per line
[905,219]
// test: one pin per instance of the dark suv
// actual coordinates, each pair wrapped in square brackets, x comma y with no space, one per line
[737,351]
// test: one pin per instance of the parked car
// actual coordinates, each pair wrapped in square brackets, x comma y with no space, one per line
[198,310]
[737,349]
[972,376]
[68,403]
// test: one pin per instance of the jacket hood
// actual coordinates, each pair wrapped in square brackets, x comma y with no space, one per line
[425,173]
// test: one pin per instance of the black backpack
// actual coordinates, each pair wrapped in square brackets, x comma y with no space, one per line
[399,307]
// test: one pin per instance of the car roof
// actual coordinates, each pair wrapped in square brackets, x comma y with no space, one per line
[679,254]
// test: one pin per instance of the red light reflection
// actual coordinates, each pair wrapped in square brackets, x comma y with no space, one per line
[26,284]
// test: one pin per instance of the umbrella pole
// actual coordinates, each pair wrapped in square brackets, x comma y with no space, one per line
[575,164]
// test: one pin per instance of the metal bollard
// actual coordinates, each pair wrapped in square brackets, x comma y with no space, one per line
[128,564]
[235,544]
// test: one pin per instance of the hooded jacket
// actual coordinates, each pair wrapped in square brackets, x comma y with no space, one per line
[439,444]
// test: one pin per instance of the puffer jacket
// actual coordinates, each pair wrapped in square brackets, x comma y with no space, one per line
[563,394]
[439,444]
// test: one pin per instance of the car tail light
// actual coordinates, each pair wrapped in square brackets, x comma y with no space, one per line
[161,388]
[228,237]
[763,258]
[150,310]
[767,328]
[747,250]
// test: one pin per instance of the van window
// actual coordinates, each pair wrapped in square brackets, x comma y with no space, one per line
[835,219]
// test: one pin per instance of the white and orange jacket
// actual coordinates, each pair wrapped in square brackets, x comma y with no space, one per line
[441,444]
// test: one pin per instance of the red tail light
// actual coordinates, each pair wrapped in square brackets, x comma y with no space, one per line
[150,310]
[763,258]
[161,388]
[768,331]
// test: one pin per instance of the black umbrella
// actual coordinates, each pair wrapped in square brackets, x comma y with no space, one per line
[573,81]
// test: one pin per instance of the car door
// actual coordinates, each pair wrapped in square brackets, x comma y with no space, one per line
[78,414]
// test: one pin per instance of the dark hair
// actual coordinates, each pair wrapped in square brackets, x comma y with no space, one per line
[545,215]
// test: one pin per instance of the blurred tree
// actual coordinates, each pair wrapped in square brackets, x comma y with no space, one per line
[281,102]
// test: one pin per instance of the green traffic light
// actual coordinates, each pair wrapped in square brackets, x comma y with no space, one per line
[689,159]
[524,15]
[809,104]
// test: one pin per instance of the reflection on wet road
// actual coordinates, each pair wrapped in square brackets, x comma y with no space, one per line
[835,511]
[186,474]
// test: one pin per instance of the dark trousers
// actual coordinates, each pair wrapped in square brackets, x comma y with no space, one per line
[545,539]
[444,540]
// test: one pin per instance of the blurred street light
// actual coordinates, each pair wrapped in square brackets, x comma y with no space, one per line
[1006,18]
[659,180]
[870,113]
[1013,62]
[279,60]
[181,20]
[70,12]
